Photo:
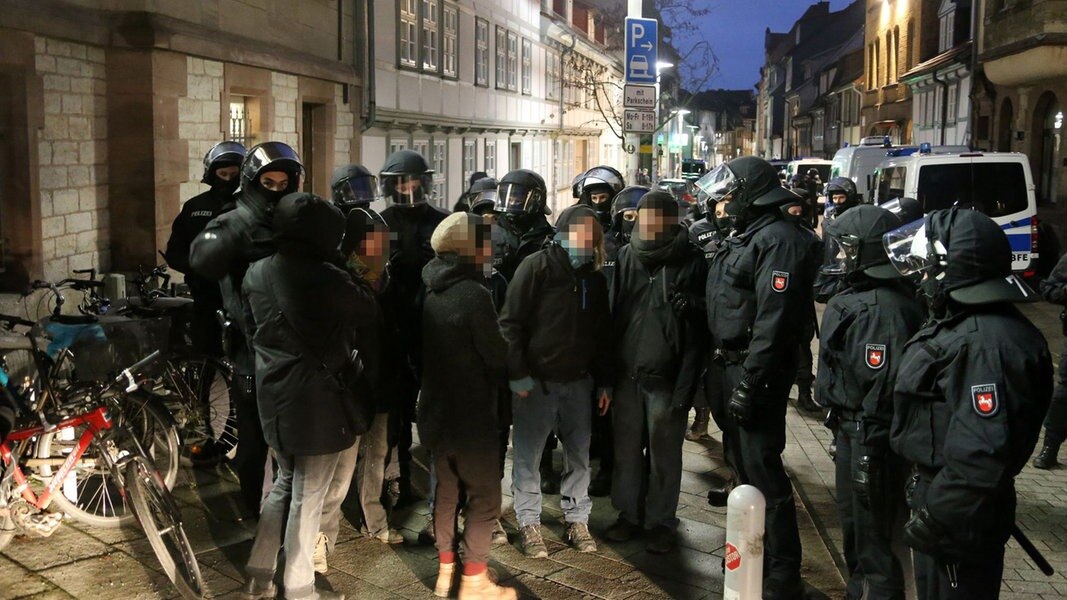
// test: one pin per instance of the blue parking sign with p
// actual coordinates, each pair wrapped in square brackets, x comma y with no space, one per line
[642,45]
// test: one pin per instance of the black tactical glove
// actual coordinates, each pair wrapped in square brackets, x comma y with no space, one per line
[742,403]
[681,302]
[868,480]
[923,534]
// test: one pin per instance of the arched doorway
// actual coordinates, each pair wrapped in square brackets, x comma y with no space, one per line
[1047,123]
[1005,121]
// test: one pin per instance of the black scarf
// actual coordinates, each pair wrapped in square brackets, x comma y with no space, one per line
[654,253]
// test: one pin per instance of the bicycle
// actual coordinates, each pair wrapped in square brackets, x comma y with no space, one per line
[120,458]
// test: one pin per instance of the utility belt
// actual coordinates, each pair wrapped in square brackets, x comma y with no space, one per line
[730,357]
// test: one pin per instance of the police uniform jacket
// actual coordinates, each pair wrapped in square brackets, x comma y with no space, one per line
[972,390]
[864,331]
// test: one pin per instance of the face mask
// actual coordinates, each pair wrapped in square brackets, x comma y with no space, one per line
[627,229]
[522,221]
[725,224]
[273,198]
[578,256]
[225,189]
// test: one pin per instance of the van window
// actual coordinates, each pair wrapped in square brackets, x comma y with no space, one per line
[891,183]
[996,189]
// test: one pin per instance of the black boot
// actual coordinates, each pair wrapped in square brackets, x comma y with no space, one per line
[805,402]
[1046,459]
[699,429]
[549,477]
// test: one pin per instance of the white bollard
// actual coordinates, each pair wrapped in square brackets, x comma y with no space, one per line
[746,512]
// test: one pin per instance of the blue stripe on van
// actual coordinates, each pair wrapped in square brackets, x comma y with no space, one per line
[1020,242]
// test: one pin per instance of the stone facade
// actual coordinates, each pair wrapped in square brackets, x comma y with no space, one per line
[72,154]
[198,118]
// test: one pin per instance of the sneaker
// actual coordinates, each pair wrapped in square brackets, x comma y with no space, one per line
[577,534]
[622,531]
[661,540]
[257,590]
[319,556]
[446,576]
[533,545]
[390,536]
[500,537]
[427,537]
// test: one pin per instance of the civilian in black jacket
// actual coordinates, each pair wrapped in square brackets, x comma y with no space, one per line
[305,314]
[1054,290]
[658,313]
[457,408]
[557,322]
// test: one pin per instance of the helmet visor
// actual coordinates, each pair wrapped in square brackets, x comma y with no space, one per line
[514,198]
[406,189]
[483,202]
[909,249]
[844,251]
[358,190]
[718,183]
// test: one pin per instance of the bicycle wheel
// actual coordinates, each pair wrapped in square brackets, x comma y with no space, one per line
[90,493]
[159,516]
[197,390]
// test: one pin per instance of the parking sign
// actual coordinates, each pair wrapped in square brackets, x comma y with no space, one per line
[642,48]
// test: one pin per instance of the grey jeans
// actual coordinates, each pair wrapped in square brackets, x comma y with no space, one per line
[369,471]
[293,510]
[563,408]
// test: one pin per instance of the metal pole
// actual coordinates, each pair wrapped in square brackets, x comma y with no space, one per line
[746,514]
[632,141]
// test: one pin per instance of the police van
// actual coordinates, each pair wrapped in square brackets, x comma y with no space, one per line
[998,184]
[859,163]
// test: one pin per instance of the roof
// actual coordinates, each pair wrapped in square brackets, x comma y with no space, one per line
[958,55]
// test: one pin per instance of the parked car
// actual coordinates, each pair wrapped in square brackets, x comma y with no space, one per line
[681,189]
[693,168]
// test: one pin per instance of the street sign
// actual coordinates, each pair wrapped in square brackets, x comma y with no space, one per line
[642,46]
[639,121]
[639,96]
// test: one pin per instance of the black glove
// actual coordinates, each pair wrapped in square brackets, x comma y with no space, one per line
[924,534]
[681,303]
[742,403]
[868,481]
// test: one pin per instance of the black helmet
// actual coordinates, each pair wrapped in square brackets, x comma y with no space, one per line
[906,209]
[798,181]
[222,154]
[268,157]
[964,254]
[857,238]
[603,178]
[576,185]
[400,171]
[626,200]
[749,180]
[841,185]
[482,196]
[353,185]
[522,192]
[813,173]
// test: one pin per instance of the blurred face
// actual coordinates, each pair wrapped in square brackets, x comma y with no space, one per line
[227,173]
[274,181]
[375,244]
[485,254]
[652,223]
[580,234]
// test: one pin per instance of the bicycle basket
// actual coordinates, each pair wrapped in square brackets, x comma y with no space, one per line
[100,349]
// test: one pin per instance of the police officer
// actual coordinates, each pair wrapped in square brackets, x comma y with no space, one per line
[482,198]
[623,217]
[759,289]
[597,188]
[406,182]
[353,186]
[465,199]
[1054,290]
[864,330]
[222,165]
[222,252]
[971,390]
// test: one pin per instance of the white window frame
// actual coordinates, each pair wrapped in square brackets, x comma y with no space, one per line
[422,147]
[481,52]
[470,159]
[527,66]
[513,61]
[409,33]
[489,164]
[953,99]
[430,57]
[501,58]
[439,160]
[449,41]
[396,145]
[552,76]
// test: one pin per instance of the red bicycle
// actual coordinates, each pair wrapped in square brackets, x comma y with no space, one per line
[118,455]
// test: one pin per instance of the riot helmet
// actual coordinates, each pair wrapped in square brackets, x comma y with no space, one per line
[855,241]
[962,254]
[840,186]
[406,178]
[522,192]
[353,186]
[576,185]
[624,209]
[270,171]
[482,196]
[744,183]
[222,154]
[906,209]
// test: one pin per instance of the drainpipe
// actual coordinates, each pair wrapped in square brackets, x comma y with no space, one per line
[944,104]
[366,8]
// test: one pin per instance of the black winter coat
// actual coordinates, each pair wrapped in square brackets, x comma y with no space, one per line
[971,393]
[1054,287]
[467,355]
[557,320]
[222,252]
[759,293]
[301,405]
[864,331]
[511,247]
[657,345]
[195,215]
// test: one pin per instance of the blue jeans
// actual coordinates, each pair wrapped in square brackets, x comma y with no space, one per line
[562,408]
[292,512]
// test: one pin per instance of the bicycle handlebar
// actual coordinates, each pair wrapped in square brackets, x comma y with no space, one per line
[10,321]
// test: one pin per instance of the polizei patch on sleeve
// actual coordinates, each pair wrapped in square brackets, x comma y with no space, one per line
[779,281]
[875,355]
[985,400]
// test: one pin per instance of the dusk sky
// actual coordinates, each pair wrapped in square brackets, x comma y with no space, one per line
[735,30]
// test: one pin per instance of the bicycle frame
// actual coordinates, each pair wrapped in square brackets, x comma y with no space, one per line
[97,420]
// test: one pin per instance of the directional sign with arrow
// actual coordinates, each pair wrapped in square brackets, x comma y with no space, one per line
[642,43]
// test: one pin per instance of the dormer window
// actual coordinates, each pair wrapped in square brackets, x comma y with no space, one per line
[947,18]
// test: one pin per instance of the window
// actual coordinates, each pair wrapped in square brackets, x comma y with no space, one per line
[891,184]
[241,117]
[501,58]
[397,145]
[947,31]
[440,170]
[409,22]
[513,61]
[527,66]
[429,35]
[470,155]
[490,157]
[953,95]
[996,189]
[449,48]
[422,147]
[552,78]
[877,60]
[481,52]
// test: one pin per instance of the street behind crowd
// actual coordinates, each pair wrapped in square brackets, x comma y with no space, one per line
[87,563]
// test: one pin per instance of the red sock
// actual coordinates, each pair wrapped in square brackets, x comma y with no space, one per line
[474,568]
[446,558]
